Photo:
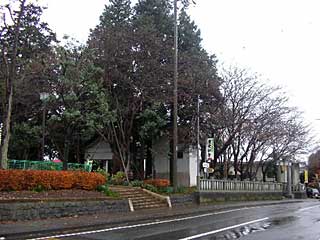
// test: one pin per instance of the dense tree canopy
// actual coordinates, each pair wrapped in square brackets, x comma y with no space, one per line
[119,86]
[25,42]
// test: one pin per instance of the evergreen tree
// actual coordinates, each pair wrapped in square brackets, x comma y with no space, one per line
[113,39]
[25,41]
[197,74]
[136,52]
[153,24]
[78,106]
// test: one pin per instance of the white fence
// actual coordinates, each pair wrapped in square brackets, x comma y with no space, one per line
[239,186]
[298,188]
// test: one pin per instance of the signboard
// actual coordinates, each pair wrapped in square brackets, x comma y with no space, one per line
[210,149]
[305,176]
[205,165]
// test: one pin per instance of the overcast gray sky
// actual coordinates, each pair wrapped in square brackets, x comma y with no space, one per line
[278,39]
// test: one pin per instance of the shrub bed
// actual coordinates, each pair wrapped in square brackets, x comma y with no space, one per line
[17,180]
[158,182]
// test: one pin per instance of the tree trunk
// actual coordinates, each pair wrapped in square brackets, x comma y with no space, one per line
[264,176]
[142,156]
[78,148]
[66,149]
[6,135]
[10,82]
[152,160]
[225,167]
[128,161]
[66,155]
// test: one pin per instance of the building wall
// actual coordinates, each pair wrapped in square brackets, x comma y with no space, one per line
[99,151]
[259,176]
[283,173]
[161,158]
[193,166]
[186,162]
[314,161]
[183,168]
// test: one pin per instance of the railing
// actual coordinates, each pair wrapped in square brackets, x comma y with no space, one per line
[295,188]
[239,186]
[299,188]
[44,165]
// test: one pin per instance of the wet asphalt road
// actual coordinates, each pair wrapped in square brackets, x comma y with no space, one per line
[290,221]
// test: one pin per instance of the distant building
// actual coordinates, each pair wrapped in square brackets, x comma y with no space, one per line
[100,152]
[282,172]
[186,162]
[155,165]
[314,162]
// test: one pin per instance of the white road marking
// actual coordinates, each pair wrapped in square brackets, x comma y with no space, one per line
[307,208]
[152,223]
[140,225]
[223,229]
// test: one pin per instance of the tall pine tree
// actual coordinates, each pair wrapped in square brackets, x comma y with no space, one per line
[25,41]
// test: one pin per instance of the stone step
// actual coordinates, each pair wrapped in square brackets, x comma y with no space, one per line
[147,200]
[126,191]
[155,204]
[140,199]
[128,195]
[131,193]
[150,206]
[124,187]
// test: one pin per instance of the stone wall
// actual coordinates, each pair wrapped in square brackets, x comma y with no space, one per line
[207,197]
[300,195]
[183,199]
[30,210]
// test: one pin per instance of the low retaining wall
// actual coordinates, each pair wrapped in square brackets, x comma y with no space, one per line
[183,199]
[207,197]
[30,210]
[300,195]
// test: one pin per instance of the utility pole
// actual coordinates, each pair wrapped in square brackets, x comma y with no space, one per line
[290,195]
[175,102]
[43,98]
[198,142]
[43,131]
[0,133]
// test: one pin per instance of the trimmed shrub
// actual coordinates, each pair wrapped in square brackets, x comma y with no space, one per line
[106,190]
[150,188]
[165,190]
[158,182]
[103,173]
[17,180]
[136,183]
[119,178]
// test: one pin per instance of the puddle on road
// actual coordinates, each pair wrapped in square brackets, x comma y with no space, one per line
[283,220]
[252,228]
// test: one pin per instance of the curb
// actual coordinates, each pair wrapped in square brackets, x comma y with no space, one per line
[144,217]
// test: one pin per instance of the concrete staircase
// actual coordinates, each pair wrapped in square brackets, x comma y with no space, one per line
[140,199]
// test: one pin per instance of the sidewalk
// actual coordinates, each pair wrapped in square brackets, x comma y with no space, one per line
[16,229]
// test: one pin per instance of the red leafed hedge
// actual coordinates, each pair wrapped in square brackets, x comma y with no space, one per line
[158,182]
[17,180]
